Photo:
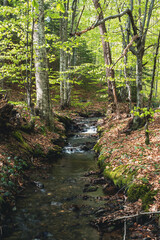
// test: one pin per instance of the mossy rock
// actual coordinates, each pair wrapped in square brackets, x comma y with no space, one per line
[101,161]
[100,130]
[120,175]
[141,191]
[138,123]
[97,147]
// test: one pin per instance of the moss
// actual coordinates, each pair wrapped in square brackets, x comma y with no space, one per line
[120,175]
[100,130]
[148,199]
[18,136]
[101,161]
[97,147]
[141,191]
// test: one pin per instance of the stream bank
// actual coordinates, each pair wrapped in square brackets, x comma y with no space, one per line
[134,168]
[65,200]
[26,147]
[110,202]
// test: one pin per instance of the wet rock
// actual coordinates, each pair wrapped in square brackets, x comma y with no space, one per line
[90,188]
[101,180]
[85,197]
[57,204]
[88,146]
[70,198]
[91,173]
[100,212]
[38,184]
[74,207]
[109,189]
[44,235]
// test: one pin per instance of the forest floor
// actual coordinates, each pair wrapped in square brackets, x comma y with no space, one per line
[134,168]
[125,159]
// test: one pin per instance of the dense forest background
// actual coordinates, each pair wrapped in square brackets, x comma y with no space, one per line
[52,50]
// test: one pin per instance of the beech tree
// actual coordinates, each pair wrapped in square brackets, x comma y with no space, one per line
[138,33]
[64,83]
[66,54]
[107,55]
[43,103]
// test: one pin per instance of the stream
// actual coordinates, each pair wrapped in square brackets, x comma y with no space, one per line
[62,205]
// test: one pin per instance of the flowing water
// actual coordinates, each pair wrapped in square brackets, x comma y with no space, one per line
[62,210]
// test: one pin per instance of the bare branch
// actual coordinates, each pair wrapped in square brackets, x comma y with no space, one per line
[80,18]
[145,15]
[133,216]
[125,50]
[152,45]
[99,22]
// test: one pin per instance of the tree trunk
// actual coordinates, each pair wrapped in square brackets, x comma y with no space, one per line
[107,57]
[147,141]
[139,77]
[127,83]
[5,3]
[64,82]
[41,67]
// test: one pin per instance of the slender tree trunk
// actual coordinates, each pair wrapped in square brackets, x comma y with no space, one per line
[63,63]
[156,84]
[64,84]
[5,3]
[139,77]
[28,87]
[127,83]
[107,57]
[41,66]
[147,141]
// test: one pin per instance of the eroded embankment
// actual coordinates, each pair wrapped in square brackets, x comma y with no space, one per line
[25,146]
[129,163]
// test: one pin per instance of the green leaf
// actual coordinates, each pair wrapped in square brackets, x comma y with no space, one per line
[60,7]
[35,4]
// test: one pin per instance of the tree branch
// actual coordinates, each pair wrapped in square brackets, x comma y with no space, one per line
[132,49]
[133,216]
[99,22]
[125,50]
[80,18]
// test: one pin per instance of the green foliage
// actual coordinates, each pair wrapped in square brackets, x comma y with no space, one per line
[10,171]
[144,113]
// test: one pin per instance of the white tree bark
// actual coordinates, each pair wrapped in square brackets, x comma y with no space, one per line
[41,67]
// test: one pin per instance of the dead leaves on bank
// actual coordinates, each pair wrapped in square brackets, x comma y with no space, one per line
[130,150]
